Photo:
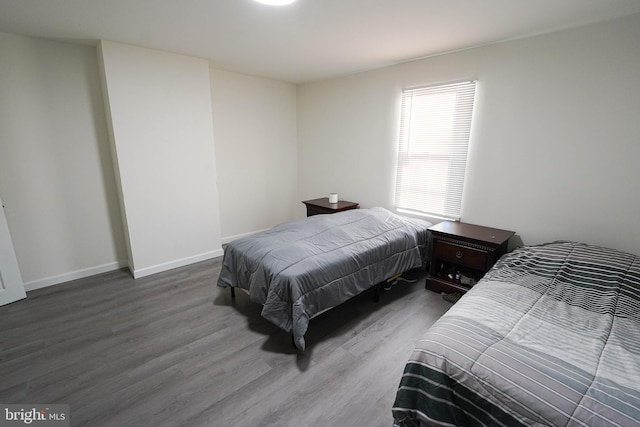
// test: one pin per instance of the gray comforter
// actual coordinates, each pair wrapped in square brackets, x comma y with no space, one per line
[298,269]
[549,337]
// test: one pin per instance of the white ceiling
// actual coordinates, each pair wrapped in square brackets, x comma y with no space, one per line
[308,40]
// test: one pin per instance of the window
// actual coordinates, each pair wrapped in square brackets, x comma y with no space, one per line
[435,125]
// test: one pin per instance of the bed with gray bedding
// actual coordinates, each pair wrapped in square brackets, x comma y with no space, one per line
[550,336]
[299,269]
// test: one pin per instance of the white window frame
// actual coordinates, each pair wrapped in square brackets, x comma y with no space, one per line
[435,129]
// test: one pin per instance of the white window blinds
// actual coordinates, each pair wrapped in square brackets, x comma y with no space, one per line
[435,125]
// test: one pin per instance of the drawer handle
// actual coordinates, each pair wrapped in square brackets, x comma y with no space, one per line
[459,255]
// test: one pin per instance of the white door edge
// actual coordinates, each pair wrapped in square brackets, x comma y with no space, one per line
[11,285]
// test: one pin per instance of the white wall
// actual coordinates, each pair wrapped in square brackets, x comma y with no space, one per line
[160,115]
[553,154]
[555,143]
[254,122]
[56,177]
[57,174]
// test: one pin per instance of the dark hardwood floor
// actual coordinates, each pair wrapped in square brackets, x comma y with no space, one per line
[173,349]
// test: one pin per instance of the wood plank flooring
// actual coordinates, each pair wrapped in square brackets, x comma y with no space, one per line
[173,349]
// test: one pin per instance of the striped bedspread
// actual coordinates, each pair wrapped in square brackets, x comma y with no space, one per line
[549,337]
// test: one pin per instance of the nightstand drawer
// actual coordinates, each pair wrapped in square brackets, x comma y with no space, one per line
[470,257]
[314,210]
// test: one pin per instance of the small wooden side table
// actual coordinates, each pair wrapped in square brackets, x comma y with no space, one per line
[462,253]
[322,206]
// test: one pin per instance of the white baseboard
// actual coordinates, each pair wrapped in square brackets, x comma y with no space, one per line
[147,271]
[226,240]
[92,271]
[74,275]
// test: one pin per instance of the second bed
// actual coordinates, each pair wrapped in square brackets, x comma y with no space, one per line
[299,269]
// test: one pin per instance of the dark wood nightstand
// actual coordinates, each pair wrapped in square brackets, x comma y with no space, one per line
[322,206]
[462,253]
